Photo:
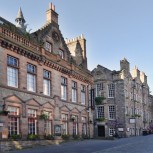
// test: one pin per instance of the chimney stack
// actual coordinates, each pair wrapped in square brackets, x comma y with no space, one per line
[124,65]
[136,72]
[143,78]
[51,15]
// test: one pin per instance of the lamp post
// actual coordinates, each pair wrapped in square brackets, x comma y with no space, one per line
[134,107]
[88,121]
[143,104]
[91,106]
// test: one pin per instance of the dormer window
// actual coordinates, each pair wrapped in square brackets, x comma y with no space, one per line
[48,46]
[61,53]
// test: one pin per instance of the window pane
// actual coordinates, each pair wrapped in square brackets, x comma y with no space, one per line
[75,128]
[31,68]
[63,92]
[74,91]
[83,95]
[48,46]
[13,110]
[111,131]
[61,53]
[83,98]
[63,88]
[31,82]
[83,88]
[83,119]
[48,127]
[32,124]
[74,95]
[12,77]
[99,88]
[75,124]
[46,87]
[32,112]
[74,84]
[64,123]
[111,112]
[63,81]
[13,126]
[12,61]
[46,74]
[64,117]
[111,90]
[100,111]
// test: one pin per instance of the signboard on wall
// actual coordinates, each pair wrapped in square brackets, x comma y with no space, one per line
[132,120]
[1,129]
[120,129]
[128,129]
[57,130]
[5,133]
[1,124]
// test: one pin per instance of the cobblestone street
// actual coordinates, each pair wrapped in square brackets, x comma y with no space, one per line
[141,144]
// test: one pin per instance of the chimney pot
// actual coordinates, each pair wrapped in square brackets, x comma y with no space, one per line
[53,7]
[50,5]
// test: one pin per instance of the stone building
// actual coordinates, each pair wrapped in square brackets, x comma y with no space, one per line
[44,80]
[125,108]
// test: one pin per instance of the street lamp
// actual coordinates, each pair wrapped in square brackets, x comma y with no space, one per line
[134,106]
[88,111]
[143,104]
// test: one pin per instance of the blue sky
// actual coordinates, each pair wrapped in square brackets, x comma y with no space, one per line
[114,29]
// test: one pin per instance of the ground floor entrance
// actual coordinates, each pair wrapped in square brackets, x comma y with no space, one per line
[101,131]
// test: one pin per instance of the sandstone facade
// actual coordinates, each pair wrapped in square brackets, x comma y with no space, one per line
[131,100]
[46,53]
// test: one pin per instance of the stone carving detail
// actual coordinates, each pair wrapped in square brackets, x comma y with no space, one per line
[55,36]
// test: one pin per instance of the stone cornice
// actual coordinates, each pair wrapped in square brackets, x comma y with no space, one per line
[16,38]
[41,59]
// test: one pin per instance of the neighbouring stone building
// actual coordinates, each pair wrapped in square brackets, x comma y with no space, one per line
[44,80]
[126,102]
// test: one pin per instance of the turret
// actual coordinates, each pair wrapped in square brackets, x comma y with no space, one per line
[77,47]
[20,21]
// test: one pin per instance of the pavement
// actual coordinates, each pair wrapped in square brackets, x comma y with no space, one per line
[139,144]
